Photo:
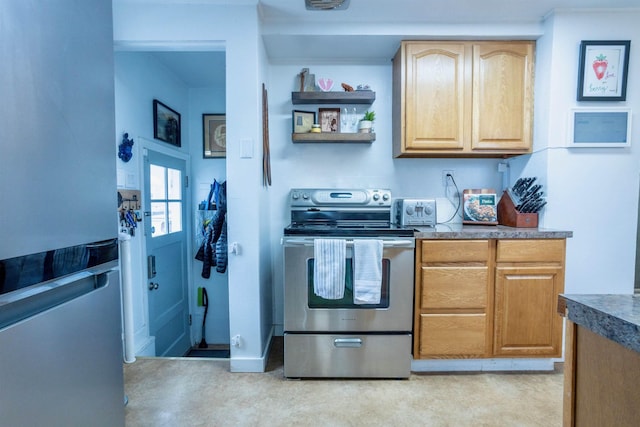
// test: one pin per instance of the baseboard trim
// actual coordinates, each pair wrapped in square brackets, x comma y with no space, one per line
[147,348]
[465,365]
[252,364]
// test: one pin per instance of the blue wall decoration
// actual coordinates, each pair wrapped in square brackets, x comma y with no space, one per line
[124,149]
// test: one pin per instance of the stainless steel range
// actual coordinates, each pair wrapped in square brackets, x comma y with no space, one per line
[348,286]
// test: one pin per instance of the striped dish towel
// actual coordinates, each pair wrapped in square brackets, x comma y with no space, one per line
[329,268]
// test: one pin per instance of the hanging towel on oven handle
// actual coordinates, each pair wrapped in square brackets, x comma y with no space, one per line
[367,271]
[329,268]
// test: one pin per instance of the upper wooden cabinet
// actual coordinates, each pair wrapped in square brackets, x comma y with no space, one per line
[467,99]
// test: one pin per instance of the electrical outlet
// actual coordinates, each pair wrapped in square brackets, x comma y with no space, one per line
[445,178]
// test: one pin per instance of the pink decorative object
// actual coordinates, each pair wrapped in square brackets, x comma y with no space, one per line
[325,84]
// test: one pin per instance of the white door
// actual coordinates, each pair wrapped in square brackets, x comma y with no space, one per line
[166,242]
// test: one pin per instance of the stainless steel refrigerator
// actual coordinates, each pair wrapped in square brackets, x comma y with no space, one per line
[60,321]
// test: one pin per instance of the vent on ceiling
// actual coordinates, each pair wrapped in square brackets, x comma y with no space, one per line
[326,4]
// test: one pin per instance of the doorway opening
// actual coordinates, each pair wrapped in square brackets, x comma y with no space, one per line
[191,79]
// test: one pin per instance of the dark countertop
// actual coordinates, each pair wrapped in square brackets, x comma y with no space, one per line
[615,317]
[460,231]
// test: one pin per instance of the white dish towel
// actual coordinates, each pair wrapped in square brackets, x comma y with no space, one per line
[329,268]
[367,271]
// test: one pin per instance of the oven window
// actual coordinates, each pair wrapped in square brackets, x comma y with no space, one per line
[315,301]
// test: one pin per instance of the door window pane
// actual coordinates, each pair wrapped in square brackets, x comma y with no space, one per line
[157,182]
[166,200]
[174,184]
[175,217]
[159,222]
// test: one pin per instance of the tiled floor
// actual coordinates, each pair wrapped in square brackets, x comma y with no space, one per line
[202,392]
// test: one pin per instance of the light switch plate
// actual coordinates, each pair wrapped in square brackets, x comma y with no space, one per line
[246,148]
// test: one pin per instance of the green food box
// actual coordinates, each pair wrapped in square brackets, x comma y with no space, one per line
[480,206]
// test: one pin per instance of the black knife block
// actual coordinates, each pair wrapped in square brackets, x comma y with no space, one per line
[508,215]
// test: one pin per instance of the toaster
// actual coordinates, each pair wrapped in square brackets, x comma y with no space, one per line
[415,212]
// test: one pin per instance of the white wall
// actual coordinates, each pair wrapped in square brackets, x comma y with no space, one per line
[593,192]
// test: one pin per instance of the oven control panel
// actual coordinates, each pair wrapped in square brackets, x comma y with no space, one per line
[416,212]
[340,197]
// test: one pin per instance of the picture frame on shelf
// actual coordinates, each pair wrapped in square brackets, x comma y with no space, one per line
[214,136]
[166,124]
[602,73]
[329,119]
[302,121]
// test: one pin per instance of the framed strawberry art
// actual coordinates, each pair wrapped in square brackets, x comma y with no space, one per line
[602,75]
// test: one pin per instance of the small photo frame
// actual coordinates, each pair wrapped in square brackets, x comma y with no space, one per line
[329,119]
[214,136]
[599,127]
[602,75]
[302,121]
[166,123]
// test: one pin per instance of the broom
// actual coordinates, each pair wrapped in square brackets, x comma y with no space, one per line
[205,302]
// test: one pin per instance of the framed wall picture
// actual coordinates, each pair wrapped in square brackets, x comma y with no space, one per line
[302,121]
[329,119]
[166,123]
[214,136]
[599,127]
[602,75]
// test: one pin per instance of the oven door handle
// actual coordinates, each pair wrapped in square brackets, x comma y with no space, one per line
[385,243]
[347,342]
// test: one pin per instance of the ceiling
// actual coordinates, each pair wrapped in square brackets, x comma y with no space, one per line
[195,69]
[293,34]
[431,11]
[405,11]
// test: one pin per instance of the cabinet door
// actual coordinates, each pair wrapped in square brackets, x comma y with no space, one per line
[435,94]
[502,96]
[526,322]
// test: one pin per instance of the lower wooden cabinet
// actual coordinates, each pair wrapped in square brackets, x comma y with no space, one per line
[488,298]
[529,277]
[453,299]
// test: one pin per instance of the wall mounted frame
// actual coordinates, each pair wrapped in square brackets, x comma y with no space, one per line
[166,124]
[599,127]
[602,75]
[214,136]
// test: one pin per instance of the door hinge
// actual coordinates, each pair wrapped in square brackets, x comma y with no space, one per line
[186,181]
[189,320]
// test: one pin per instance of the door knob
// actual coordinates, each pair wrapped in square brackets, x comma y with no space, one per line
[153,286]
